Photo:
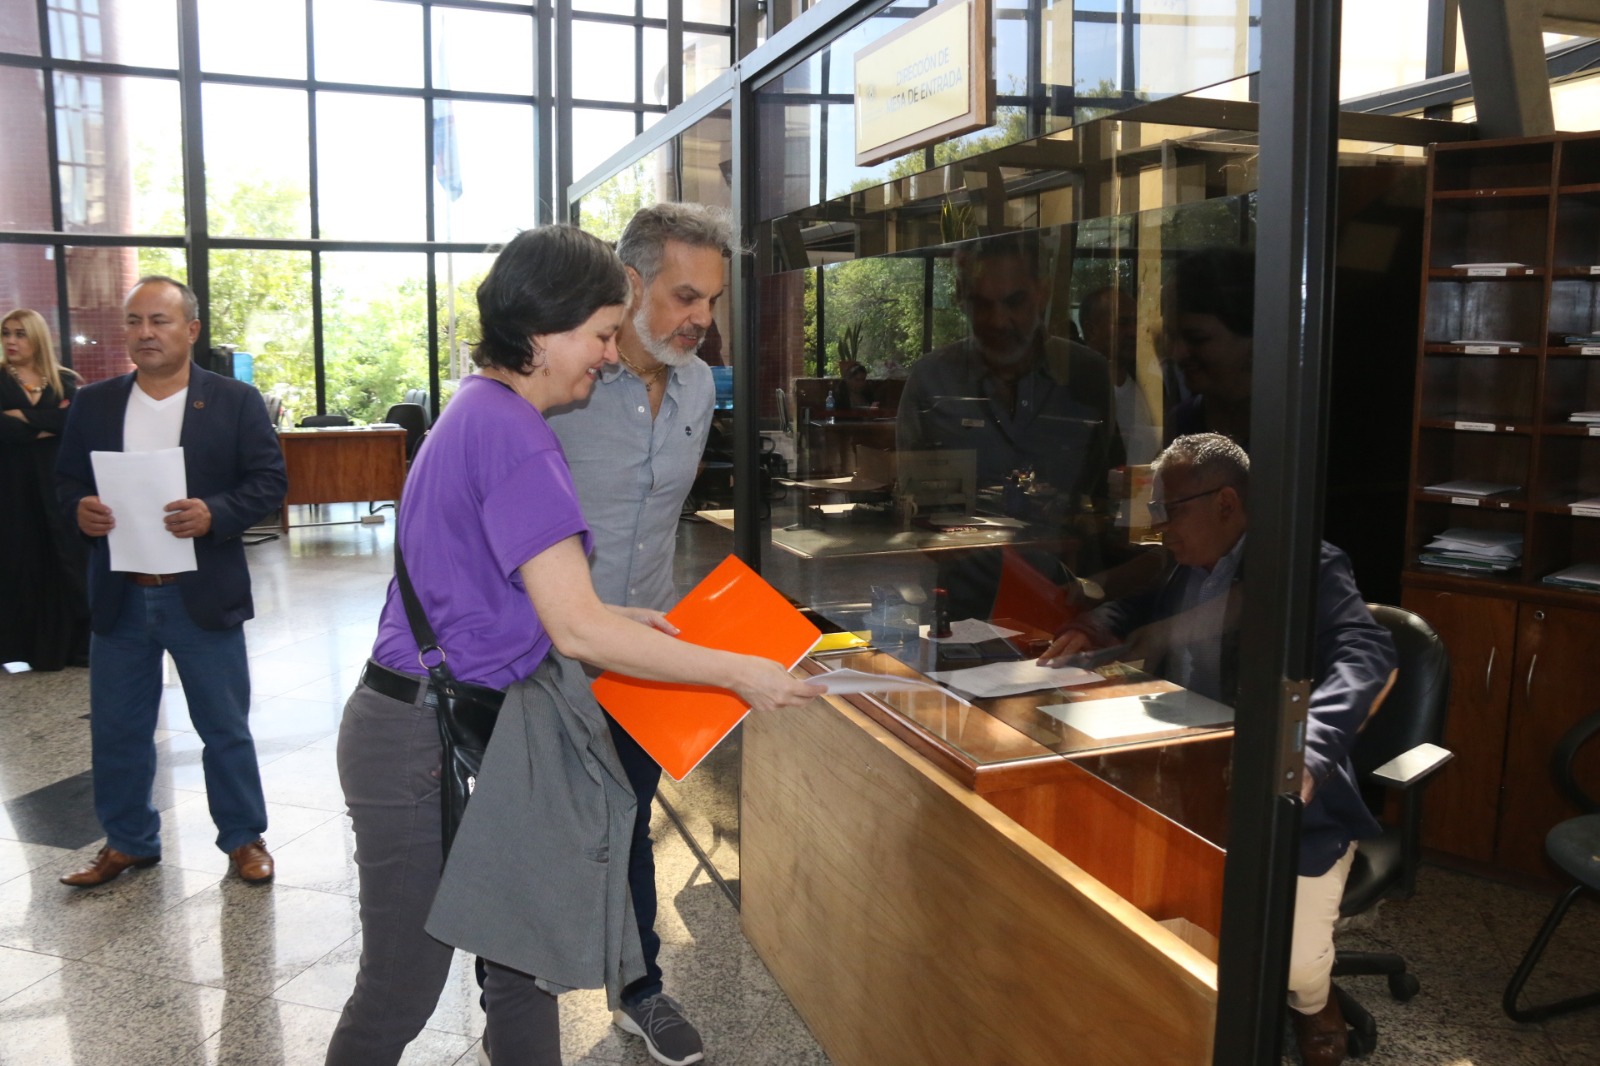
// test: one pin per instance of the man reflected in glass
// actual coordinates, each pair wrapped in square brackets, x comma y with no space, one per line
[1034,413]
[1024,400]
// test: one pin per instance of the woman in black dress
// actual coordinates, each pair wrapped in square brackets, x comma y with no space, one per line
[44,610]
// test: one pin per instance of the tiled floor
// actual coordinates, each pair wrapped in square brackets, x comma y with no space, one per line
[180,964]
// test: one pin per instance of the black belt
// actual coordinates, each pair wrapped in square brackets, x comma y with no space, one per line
[151,581]
[398,686]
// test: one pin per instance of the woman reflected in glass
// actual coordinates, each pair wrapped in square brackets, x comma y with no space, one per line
[45,619]
[1210,327]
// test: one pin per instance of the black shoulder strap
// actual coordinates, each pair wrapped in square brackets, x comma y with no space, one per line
[420,629]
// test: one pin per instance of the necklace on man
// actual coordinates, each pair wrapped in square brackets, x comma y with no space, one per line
[649,377]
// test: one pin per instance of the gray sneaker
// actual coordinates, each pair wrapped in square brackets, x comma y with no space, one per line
[667,1033]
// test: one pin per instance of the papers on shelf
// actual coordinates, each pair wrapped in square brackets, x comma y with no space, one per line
[1470,266]
[137,486]
[1487,342]
[969,631]
[1589,508]
[846,682]
[1581,576]
[1584,416]
[1469,487]
[1132,716]
[1460,548]
[1483,543]
[1010,678]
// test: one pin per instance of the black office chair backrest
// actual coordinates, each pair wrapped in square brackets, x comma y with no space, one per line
[420,398]
[324,421]
[414,419]
[1566,754]
[1413,712]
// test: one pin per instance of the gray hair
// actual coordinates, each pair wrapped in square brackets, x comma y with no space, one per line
[1208,456]
[191,302]
[648,232]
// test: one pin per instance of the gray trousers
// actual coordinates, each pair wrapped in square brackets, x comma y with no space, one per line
[389,758]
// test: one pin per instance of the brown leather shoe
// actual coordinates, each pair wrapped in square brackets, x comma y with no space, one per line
[1323,1037]
[253,862]
[107,865]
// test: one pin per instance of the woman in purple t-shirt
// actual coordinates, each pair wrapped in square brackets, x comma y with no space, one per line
[496,545]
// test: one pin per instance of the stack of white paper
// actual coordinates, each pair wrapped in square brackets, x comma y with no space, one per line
[1469,487]
[1460,548]
[1584,416]
[1582,576]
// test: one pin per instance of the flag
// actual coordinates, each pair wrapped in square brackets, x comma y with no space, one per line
[446,163]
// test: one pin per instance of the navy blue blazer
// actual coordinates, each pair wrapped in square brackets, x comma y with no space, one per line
[1354,657]
[233,462]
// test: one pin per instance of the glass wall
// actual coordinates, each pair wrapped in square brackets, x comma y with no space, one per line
[356,158]
[694,167]
[677,49]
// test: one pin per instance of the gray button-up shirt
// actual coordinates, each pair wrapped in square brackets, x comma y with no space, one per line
[633,473]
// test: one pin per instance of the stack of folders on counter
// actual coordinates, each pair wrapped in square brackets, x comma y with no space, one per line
[1473,549]
[1584,576]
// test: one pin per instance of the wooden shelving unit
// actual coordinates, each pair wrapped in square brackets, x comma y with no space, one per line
[1512,269]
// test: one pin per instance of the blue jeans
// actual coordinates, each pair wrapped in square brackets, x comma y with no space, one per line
[124,697]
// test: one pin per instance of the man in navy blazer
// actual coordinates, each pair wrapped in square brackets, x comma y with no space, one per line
[235,477]
[1186,630]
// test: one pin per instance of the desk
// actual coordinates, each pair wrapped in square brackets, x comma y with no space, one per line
[842,536]
[939,886]
[341,465]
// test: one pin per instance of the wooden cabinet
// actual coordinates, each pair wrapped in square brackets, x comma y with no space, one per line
[1509,352]
[1462,809]
[1553,687]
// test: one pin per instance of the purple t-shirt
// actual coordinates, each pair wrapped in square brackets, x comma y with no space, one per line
[488,491]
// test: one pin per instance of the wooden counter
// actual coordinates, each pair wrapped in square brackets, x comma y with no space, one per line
[341,465]
[913,918]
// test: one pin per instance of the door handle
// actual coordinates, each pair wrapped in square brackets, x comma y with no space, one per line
[1528,686]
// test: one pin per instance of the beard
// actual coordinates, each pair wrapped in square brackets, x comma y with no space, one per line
[662,348]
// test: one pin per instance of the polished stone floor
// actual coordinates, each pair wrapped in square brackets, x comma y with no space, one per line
[181,964]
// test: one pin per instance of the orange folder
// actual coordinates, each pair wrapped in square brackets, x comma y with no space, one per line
[732,610]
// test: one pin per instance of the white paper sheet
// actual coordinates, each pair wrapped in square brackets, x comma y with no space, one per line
[969,631]
[1010,678]
[137,486]
[845,682]
[1133,716]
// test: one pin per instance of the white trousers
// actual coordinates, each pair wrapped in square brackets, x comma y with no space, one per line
[1316,909]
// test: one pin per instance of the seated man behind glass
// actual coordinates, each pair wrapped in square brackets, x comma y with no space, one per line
[1185,629]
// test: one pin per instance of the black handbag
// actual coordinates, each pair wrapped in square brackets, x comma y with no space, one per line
[467,713]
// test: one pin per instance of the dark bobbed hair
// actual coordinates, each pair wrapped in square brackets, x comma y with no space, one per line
[1218,281]
[546,280]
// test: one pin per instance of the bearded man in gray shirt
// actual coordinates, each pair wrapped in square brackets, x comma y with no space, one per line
[634,448]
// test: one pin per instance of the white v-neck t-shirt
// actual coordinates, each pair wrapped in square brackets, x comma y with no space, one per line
[151,425]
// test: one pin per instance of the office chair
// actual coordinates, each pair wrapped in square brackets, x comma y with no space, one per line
[413,418]
[420,398]
[1573,845]
[1387,755]
[324,421]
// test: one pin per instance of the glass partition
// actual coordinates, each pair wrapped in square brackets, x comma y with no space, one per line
[1091,58]
[970,372]
[693,167]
